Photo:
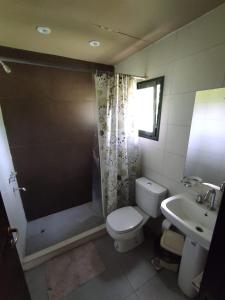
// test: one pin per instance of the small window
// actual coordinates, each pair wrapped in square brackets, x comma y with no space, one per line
[149,103]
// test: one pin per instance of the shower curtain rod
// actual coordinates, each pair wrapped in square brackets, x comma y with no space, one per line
[94,71]
[27,62]
[135,76]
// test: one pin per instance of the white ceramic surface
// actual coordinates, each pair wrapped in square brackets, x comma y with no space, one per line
[191,218]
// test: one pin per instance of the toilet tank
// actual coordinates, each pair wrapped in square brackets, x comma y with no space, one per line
[149,196]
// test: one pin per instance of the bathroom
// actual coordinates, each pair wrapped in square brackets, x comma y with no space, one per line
[190,58]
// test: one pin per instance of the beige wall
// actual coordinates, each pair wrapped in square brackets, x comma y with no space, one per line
[192,58]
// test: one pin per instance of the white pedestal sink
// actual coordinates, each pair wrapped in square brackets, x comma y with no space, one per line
[197,223]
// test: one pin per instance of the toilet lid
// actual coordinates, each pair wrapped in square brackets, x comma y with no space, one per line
[124,219]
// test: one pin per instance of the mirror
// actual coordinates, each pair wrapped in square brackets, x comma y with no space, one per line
[206,148]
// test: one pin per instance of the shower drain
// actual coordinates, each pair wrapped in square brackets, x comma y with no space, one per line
[199,229]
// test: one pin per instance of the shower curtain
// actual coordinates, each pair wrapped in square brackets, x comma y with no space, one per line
[118,139]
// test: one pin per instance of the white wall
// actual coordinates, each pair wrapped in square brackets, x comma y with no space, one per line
[12,201]
[192,58]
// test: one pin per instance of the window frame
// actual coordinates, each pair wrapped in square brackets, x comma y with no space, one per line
[146,84]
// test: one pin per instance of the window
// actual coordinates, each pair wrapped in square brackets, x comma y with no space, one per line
[149,103]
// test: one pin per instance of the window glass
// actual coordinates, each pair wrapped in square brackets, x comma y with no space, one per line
[148,107]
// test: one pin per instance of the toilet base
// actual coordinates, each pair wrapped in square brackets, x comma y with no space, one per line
[129,244]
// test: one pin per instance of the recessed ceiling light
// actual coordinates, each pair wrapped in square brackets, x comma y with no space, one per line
[94,43]
[43,29]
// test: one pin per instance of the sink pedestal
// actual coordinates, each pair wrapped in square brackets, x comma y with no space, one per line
[192,264]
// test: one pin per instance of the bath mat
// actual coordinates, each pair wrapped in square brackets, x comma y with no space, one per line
[72,269]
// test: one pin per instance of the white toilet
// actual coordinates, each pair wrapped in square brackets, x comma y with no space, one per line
[125,225]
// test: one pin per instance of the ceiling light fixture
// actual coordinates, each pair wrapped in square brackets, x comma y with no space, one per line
[94,43]
[43,30]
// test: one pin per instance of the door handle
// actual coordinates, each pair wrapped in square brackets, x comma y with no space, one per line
[13,234]
[23,189]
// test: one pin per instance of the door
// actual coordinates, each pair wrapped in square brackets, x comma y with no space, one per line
[12,281]
[213,284]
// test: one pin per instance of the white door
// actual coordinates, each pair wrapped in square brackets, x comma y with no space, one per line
[11,198]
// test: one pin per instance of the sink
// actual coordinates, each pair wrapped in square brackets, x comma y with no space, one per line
[193,219]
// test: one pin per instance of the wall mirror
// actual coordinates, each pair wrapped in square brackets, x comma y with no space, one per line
[206,148]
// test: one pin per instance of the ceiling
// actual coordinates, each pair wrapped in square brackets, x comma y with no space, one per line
[75,22]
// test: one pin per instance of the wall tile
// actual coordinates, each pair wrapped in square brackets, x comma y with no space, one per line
[167,71]
[134,64]
[149,144]
[162,52]
[180,109]
[173,167]
[165,110]
[172,186]
[201,71]
[191,59]
[177,139]
[153,158]
[201,34]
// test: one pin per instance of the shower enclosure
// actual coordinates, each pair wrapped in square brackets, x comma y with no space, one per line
[50,120]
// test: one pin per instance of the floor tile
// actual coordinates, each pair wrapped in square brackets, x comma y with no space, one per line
[135,265]
[36,281]
[139,273]
[132,297]
[110,285]
[128,276]
[160,287]
[109,255]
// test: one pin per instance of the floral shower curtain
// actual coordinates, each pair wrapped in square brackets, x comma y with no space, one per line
[118,139]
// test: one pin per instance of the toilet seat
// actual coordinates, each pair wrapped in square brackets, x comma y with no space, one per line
[124,219]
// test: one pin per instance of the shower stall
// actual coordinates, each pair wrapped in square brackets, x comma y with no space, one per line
[49,119]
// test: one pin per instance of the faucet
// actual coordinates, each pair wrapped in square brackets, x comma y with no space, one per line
[210,196]
[199,199]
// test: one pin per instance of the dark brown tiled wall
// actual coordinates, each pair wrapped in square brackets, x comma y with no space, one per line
[50,121]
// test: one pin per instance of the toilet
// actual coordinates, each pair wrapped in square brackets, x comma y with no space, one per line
[125,225]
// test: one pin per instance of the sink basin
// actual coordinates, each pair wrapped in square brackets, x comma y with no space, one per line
[193,219]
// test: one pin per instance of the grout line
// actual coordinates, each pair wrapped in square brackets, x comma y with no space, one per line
[174,153]
[176,181]
[191,23]
[149,280]
[200,51]
[131,286]
[137,295]
[174,60]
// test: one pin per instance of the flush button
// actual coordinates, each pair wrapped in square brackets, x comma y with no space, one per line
[149,183]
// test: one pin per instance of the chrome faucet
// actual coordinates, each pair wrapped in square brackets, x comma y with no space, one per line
[199,199]
[210,196]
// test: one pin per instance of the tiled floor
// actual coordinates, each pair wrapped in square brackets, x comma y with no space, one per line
[47,231]
[128,276]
